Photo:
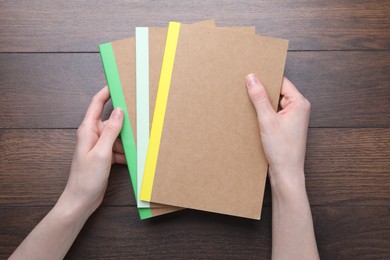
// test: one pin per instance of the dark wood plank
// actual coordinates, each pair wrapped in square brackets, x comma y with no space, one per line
[48,90]
[343,167]
[35,164]
[116,232]
[348,166]
[346,89]
[352,232]
[48,26]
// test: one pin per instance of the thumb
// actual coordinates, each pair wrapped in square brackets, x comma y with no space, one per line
[110,131]
[258,95]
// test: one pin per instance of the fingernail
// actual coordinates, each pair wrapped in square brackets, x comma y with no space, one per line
[117,114]
[251,80]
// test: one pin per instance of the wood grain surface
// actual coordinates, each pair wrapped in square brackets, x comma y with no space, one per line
[116,232]
[47,26]
[344,166]
[339,58]
[346,89]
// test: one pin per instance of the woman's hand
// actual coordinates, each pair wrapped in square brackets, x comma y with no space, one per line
[283,133]
[97,148]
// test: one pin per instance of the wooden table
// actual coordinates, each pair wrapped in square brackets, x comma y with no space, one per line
[339,58]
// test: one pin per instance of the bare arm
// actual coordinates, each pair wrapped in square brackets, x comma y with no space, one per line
[96,149]
[283,135]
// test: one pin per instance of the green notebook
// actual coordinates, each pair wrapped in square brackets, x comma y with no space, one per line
[127,136]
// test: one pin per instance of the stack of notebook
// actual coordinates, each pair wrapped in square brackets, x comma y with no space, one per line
[190,132]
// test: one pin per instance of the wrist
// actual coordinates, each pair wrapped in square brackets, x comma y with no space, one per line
[71,209]
[287,185]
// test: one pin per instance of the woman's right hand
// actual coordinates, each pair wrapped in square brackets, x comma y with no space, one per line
[283,133]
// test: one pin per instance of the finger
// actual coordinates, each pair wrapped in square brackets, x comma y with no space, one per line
[87,136]
[89,131]
[259,97]
[101,126]
[110,132]
[288,89]
[284,102]
[119,158]
[95,109]
[118,148]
